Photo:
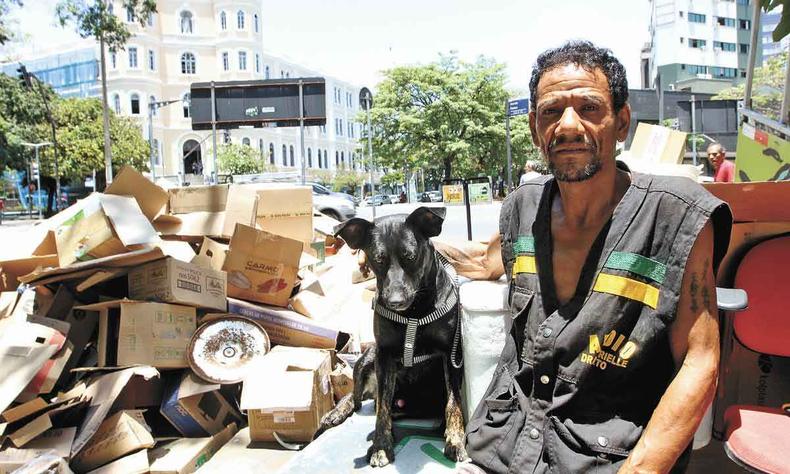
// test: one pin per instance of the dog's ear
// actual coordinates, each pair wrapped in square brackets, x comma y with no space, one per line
[427,220]
[355,232]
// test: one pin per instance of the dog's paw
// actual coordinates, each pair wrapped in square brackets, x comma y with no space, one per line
[380,457]
[455,453]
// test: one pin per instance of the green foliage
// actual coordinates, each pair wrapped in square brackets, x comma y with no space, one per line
[348,180]
[5,6]
[21,110]
[767,87]
[233,158]
[393,179]
[93,18]
[783,28]
[322,177]
[446,118]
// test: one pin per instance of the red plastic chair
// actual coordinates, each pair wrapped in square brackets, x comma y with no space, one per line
[758,438]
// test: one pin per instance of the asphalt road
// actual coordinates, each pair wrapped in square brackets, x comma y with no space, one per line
[485,218]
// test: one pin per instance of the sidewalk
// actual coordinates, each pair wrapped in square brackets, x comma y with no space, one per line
[11,230]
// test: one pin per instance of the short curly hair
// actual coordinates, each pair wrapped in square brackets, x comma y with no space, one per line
[588,56]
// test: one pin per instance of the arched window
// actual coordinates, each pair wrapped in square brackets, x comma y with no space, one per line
[223,21]
[245,141]
[240,19]
[134,102]
[309,158]
[188,65]
[292,155]
[186,22]
[116,104]
[267,73]
[337,159]
[342,158]
[257,63]
[255,22]
[285,156]
[225,62]
[271,153]
[187,105]
[129,15]
[326,160]
[113,59]
[260,147]
[151,101]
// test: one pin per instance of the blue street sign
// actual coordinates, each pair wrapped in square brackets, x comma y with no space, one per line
[518,107]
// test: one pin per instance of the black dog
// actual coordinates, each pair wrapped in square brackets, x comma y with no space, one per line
[416,359]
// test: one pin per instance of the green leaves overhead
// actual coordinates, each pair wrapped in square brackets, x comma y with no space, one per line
[94,18]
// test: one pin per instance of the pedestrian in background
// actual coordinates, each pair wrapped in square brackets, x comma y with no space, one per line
[723,170]
[530,172]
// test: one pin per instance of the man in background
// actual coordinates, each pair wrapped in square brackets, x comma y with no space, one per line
[723,170]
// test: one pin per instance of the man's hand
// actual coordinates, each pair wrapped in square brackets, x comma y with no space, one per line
[694,341]
[474,260]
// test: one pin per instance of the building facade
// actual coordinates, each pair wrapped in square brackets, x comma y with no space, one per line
[697,45]
[190,41]
[768,23]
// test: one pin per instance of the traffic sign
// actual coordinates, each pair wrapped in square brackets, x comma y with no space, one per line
[365,98]
[518,107]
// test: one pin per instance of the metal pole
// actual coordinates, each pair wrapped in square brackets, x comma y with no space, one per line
[105,117]
[694,129]
[370,150]
[151,106]
[29,197]
[786,96]
[38,182]
[468,206]
[214,132]
[301,129]
[753,43]
[509,156]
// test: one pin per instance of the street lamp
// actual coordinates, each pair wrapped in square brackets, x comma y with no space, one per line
[153,106]
[36,146]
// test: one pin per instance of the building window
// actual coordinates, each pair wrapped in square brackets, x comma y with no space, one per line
[245,141]
[695,69]
[744,48]
[724,46]
[309,158]
[287,75]
[134,102]
[285,156]
[223,21]
[114,59]
[242,61]
[186,23]
[151,60]
[724,21]
[266,73]
[271,153]
[326,159]
[680,13]
[337,159]
[151,19]
[226,136]
[743,2]
[133,57]
[260,147]
[116,104]
[257,63]
[342,158]
[240,19]
[745,24]
[129,15]
[726,72]
[151,102]
[697,43]
[255,22]
[187,105]
[225,62]
[696,18]
[743,72]
[157,155]
[291,153]
[188,63]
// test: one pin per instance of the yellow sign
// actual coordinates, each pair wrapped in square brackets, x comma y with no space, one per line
[453,194]
[761,156]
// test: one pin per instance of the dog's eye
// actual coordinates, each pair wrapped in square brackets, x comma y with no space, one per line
[410,256]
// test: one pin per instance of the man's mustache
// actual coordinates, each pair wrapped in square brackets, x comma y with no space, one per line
[591,147]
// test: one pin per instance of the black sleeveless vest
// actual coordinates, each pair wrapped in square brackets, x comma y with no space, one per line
[577,383]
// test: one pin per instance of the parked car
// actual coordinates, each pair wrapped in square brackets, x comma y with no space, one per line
[394,199]
[377,200]
[431,196]
[324,191]
[333,206]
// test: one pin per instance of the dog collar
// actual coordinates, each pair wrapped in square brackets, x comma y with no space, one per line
[449,306]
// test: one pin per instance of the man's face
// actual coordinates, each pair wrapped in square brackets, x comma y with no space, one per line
[715,156]
[574,123]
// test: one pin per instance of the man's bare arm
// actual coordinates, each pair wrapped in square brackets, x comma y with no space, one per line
[474,260]
[694,341]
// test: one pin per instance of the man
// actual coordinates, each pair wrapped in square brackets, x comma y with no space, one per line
[723,170]
[529,172]
[612,349]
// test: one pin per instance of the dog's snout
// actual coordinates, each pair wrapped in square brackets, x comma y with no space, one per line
[397,301]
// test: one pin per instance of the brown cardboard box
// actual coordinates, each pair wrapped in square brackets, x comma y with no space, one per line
[286,211]
[187,455]
[150,197]
[303,395]
[658,144]
[11,270]
[212,254]
[119,435]
[136,463]
[173,281]
[58,440]
[198,199]
[136,332]
[261,266]
[196,408]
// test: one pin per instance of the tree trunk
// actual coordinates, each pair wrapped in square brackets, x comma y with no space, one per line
[105,116]
[448,167]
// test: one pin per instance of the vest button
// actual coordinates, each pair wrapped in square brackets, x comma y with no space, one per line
[547,332]
[534,433]
[603,441]
[544,379]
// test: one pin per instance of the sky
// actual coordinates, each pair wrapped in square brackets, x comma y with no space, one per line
[354,40]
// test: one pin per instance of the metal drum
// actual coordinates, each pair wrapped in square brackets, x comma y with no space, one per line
[223,350]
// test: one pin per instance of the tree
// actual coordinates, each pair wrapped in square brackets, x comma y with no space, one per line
[94,18]
[233,158]
[5,7]
[322,177]
[347,180]
[21,111]
[393,179]
[767,87]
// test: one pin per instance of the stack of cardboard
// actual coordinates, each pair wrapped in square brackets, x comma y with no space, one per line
[99,306]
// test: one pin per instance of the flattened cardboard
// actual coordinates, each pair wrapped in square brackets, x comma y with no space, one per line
[20,364]
[658,144]
[303,395]
[53,332]
[261,266]
[289,327]
[198,199]
[144,333]
[150,197]
[193,226]
[212,254]
[286,211]
[241,208]
[53,275]
[136,463]
[25,409]
[756,201]
[196,408]
[187,455]
[7,302]
[12,270]
[58,440]
[119,435]
[172,281]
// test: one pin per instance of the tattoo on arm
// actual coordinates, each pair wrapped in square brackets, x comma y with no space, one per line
[695,288]
[705,291]
[699,287]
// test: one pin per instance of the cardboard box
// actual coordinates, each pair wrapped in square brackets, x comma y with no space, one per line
[303,395]
[119,435]
[12,270]
[241,207]
[286,211]
[196,408]
[21,359]
[150,197]
[658,144]
[58,440]
[136,332]
[211,255]
[289,327]
[198,199]
[187,455]
[262,266]
[172,281]
[136,463]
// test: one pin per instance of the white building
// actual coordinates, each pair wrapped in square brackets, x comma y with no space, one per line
[697,45]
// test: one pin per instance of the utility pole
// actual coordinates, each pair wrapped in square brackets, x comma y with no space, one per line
[366,101]
[153,106]
[507,142]
[214,131]
[105,115]
[301,130]
[36,146]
